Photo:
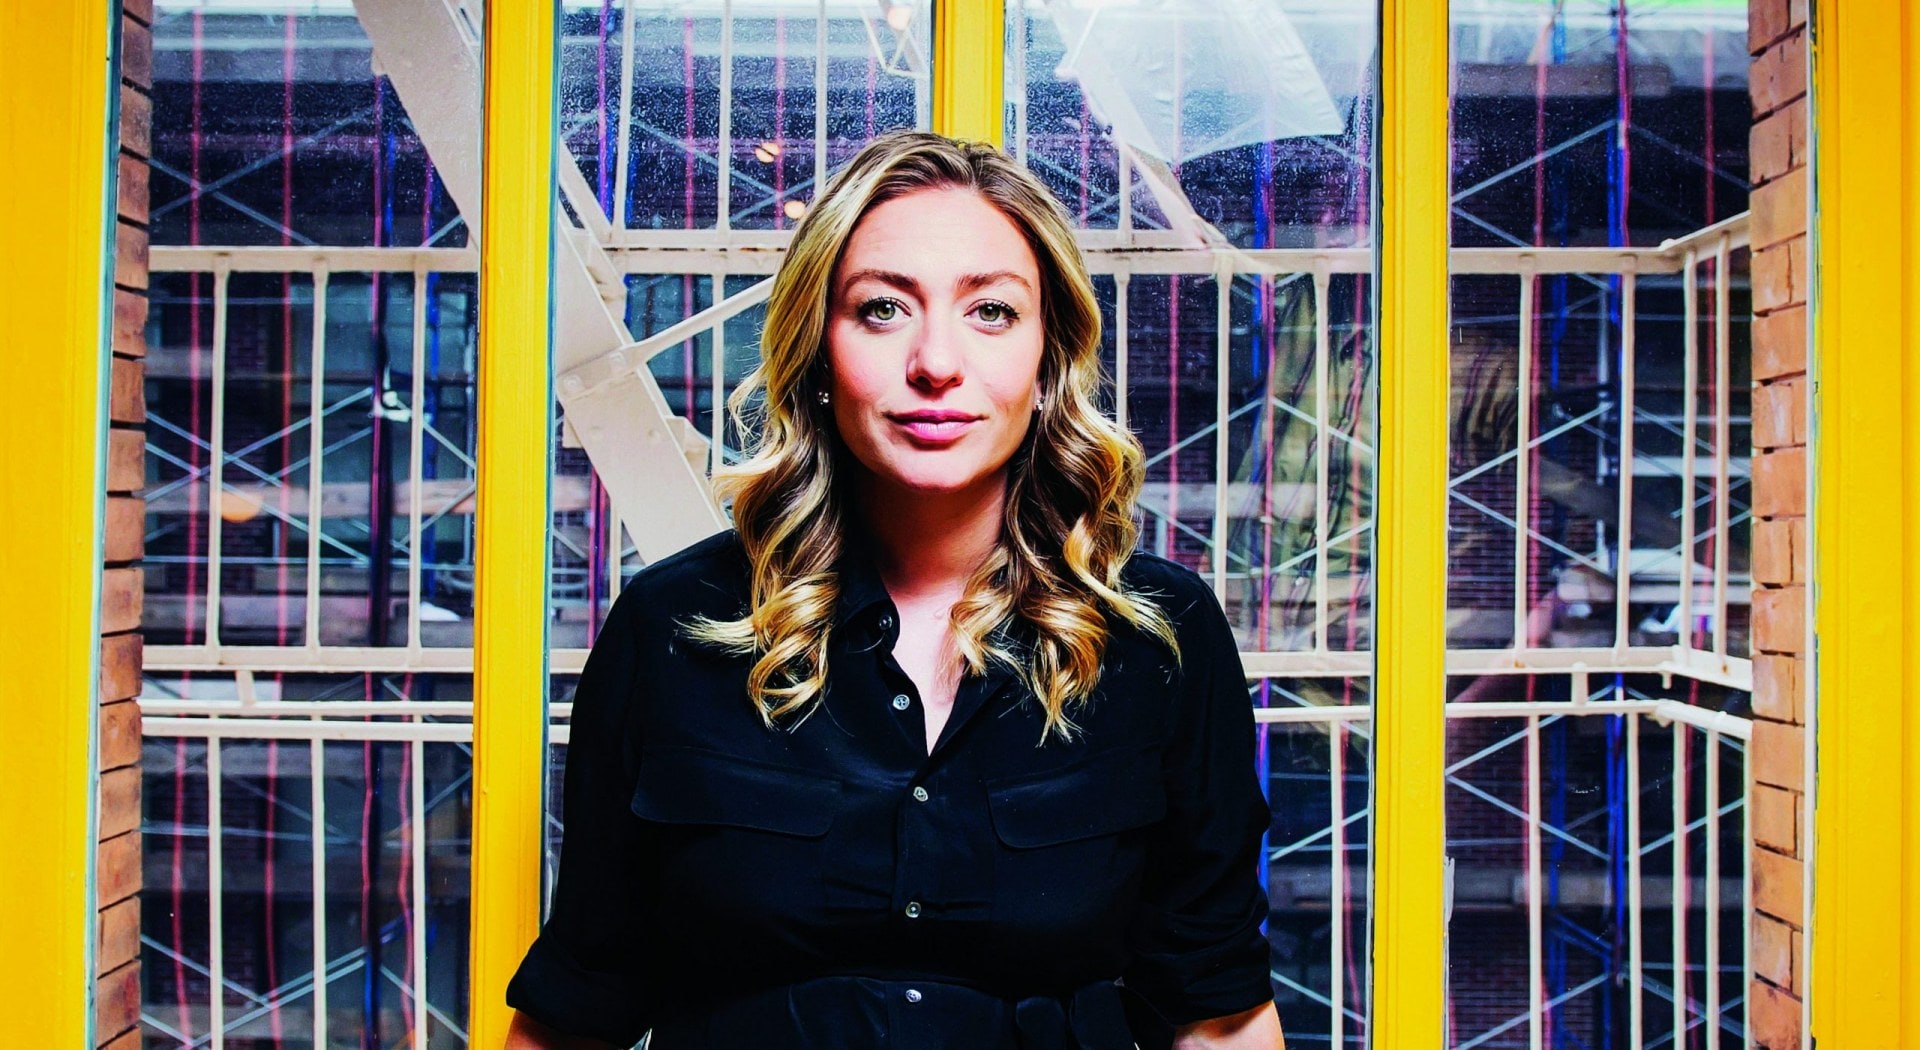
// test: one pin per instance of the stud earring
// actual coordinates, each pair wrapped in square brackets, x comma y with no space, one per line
[823,397]
[1040,403]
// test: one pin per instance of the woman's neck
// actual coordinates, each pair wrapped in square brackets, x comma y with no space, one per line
[929,545]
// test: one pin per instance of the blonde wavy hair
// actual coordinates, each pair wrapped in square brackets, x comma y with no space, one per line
[1071,486]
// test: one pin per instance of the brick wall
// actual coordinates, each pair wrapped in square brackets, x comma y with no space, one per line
[117,992]
[1779,169]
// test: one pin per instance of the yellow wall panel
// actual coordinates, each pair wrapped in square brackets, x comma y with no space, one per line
[56,217]
[511,513]
[1865,929]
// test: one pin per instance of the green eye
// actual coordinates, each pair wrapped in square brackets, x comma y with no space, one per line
[872,308]
[1002,316]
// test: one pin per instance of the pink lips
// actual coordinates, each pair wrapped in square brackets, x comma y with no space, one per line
[934,426]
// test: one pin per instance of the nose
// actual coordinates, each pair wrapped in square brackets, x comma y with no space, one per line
[936,361]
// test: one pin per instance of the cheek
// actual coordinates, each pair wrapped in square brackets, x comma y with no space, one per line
[1015,379]
[858,370]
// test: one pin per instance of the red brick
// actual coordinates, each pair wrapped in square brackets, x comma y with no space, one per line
[131,186]
[136,52]
[129,323]
[1779,754]
[1775,1017]
[1796,114]
[136,122]
[1780,413]
[119,801]
[1780,619]
[1780,209]
[119,936]
[1780,483]
[126,460]
[1778,690]
[1777,886]
[1796,14]
[1766,22]
[140,9]
[1773,561]
[1773,951]
[118,873]
[129,255]
[116,1007]
[1778,74]
[120,666]
[120,600]
[1770,147]
[120,734]
[1776,818]
[126,524]
[127,400]
[1778,276]
[1780,343]
[128,1040]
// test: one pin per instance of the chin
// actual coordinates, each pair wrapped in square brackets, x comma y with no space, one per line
[932,478]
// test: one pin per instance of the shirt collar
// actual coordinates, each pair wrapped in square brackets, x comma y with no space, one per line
[859,579]
[863,593]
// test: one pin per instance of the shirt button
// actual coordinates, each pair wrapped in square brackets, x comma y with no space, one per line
[886,621]
[913,995]
[900,702]
[913,909]
[920,794]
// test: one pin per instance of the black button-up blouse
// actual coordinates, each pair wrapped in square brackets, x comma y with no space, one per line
[837,885]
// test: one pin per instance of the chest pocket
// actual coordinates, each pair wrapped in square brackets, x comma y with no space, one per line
[723,824]
[683,785]
[1111,792]
[1073,851]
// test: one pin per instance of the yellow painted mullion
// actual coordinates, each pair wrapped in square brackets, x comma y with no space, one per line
[1409,928]
[1865,987]
[56,241]
[511,517]
[969,61]
[56,226]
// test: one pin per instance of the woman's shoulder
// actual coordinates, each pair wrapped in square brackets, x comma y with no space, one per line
[1186,599]
[709,577]
[1175,588]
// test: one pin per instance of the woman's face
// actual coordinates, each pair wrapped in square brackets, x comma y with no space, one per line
[934,341]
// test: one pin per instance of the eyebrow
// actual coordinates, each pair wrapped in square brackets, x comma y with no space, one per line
[967,282]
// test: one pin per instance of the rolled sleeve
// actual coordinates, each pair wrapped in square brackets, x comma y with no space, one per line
[583,975]
[1197,943]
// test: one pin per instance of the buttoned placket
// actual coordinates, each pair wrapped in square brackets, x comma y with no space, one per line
[918,812]
[910,718]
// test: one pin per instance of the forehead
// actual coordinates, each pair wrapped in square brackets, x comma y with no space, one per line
[936,236]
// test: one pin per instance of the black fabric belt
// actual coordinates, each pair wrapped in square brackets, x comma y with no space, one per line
[862,1012]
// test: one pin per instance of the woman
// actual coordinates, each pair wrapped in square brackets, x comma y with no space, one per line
[921,753]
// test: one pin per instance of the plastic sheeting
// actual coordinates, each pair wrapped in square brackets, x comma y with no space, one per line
[1181,78]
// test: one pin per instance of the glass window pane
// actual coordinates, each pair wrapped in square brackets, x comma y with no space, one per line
[1597,539]
[311,461]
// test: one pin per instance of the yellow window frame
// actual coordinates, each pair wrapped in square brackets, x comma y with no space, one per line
[1865,920]
[519,114]
[56,241]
